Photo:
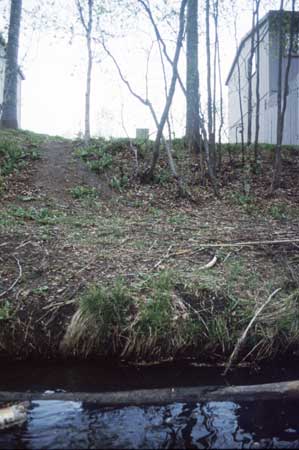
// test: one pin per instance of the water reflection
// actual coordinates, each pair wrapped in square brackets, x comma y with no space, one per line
[70,425]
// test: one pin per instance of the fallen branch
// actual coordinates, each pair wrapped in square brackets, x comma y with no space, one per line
[235,244]
[23,244]
[167,256]
[244,335]
[273,391]
[16,280]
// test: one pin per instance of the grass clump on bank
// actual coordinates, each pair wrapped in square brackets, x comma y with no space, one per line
[99,324]
[164,317]
[137,321]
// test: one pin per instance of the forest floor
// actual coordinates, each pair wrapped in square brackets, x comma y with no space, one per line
[68,236]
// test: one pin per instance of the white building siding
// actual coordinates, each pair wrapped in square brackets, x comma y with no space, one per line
[234,100]
[268,92]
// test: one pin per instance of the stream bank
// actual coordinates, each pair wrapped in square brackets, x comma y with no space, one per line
[91,268]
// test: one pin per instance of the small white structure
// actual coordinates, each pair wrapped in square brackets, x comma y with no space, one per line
[268,71]
[142,133]
[2,74]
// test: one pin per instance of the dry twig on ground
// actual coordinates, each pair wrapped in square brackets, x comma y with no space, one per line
[16,280]
[244,335]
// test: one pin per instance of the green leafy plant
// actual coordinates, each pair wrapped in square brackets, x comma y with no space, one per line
[42,290]
[99,165]
[43,215]
[246,201]
[162,177]
[14,153]
[80,192]
[119,183]
[278,212]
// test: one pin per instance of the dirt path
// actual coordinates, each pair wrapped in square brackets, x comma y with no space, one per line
[58,171]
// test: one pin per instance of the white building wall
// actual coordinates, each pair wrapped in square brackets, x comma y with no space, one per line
[268,94]
[234,100]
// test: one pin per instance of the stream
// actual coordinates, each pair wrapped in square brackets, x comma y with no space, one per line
[71,425]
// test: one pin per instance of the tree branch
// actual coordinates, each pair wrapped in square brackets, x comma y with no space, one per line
[80,10]
[159,38]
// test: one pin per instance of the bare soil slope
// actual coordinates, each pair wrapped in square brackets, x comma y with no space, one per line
[58,172]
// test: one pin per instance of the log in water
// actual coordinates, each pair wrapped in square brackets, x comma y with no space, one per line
[271,391]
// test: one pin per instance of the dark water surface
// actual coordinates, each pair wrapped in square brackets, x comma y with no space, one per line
[71,425]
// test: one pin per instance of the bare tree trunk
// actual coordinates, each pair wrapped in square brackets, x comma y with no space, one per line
[221,109]
[249,78]
[240,98]
[277,160]
[9,117]
[282,96]
[182,191]
[246,178]
[257,90]
[192,83]
[217,64]
[87,94]
[215,16]
[211,137]
[287,72]
[87,25]
[206,156]
[149,173]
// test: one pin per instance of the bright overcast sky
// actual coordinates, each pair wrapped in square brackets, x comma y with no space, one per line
[54,88]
